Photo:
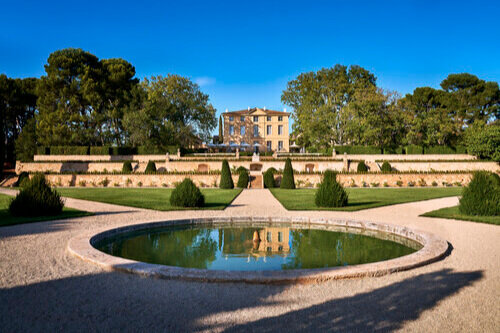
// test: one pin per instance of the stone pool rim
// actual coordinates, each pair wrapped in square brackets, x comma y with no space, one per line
[433,249]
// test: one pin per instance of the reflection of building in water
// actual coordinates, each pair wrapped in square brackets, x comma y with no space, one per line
[241,241]
[274,240]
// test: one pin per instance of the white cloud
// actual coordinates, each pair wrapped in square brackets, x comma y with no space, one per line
[204,81]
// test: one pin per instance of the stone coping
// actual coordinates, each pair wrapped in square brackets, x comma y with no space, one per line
[433,249]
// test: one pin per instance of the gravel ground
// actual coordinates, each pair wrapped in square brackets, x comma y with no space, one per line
[44,288]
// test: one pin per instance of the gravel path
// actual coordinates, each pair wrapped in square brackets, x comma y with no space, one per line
[44,288]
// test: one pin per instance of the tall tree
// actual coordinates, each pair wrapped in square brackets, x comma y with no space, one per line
[221,130]
[471,99]
[318,100]
[174,111]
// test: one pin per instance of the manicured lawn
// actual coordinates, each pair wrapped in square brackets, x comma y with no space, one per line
[7,219]
[363,198]
[150,198]
[453,213]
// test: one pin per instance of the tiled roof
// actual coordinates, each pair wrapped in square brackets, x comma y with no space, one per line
[252,110]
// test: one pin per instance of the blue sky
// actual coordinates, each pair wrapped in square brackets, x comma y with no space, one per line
[242,53]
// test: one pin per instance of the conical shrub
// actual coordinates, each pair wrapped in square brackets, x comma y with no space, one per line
[36,198]
[482,195]
[288,182]
[269,178]
[330,193]
[226,181]
[187,194]
[151,167]
[386,167]
[243,179]
[362,167]
[127,167]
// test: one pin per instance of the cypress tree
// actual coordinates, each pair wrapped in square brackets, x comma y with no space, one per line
[269,178]
[221,130]
[226,181]
[151,167]
[288,181]
[127,167]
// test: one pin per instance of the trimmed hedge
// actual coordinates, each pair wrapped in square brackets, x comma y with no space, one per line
[362,167]
[106,150]
[330,193]
[243,179]
[414,150]
[187,194]
[36,198]
[150,168]
[357,150]
[288,181]
[394,150]
[99,150]
[269,178]
[482,195]
[226,181]
[69,150]
[386,167]
[127,167]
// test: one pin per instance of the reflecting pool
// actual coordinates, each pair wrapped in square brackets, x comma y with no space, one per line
[250,247]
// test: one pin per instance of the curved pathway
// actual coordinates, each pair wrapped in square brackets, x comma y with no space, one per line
[44,288]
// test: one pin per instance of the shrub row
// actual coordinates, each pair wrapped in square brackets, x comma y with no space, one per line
[105,150]
[409,150]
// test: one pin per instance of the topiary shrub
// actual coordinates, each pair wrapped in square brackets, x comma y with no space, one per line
[269,179]
[243,179]
[330,193]
[482,195]
[226,181]
[36,198]
[386,167]
[288,182]
[187,194]
[151,167]
[362,167]
[127,167]
[241,169]
[22,179]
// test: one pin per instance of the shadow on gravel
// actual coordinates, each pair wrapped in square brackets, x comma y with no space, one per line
[384,309]
[125,302]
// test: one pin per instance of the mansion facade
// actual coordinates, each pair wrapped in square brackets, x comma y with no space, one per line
[257,129]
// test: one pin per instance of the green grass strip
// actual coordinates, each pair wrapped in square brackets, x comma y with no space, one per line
[454,213]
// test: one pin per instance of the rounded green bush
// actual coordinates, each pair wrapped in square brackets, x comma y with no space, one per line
[269,179]
[36,198]
[241,169]
[151,167]
[187,194]
[243,179]
[288,181]
[226,181]
[386,167]
[482,195]
[127,167]
[330,193]
[362,167]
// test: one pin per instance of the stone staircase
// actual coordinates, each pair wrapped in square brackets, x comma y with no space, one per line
[256,181]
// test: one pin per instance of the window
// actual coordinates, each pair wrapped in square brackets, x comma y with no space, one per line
[255,119]
[268,236]
[280,129]
[280,145]
[268,118]
[280,236]
[231,118]
[256,130]
[231,130]
[242,130]
[269,130]
[280,118]
[280,248]
[268,144]
[242,118]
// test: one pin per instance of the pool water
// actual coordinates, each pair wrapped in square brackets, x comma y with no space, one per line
[254,247]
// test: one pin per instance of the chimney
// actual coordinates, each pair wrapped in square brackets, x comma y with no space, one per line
[284,109]
[226,110]
[264,108]
[248,108]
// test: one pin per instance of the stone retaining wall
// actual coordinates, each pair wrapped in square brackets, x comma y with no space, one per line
[301,180]
[206,165]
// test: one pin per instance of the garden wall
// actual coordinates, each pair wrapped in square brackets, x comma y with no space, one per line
[301,180]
